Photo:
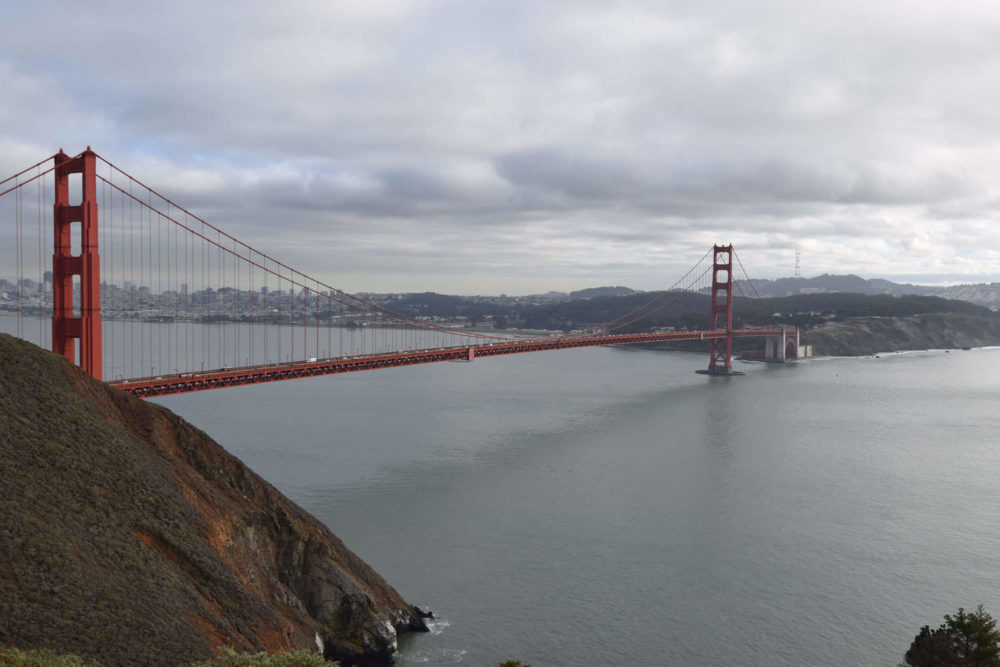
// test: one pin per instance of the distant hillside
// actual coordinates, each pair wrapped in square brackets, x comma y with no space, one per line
[838,305]
[432,304]
[686,310]
[872,335]
[983,294]
[838,283]
[690,311]
[130,537]
[593,292]
[827,295]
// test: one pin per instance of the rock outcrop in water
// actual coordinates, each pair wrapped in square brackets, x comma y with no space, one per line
[871,335]
[129,536]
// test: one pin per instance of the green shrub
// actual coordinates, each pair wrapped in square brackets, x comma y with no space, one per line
[13,657]
[230,658]
[967,639]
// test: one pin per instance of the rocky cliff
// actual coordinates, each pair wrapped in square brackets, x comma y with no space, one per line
[870,335]
[128,535]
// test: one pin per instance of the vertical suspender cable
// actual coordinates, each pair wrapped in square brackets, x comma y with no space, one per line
[45,245]
[305,317]
[17,257]
[40,317]
[236,310]
[107,216]
[253,306]
[142,283]
[160,366]
[281,355]
[116,288]
[204,322]
[177,298]
[187,305]
[121,281]
[131,283]
[219,305]
[267,314]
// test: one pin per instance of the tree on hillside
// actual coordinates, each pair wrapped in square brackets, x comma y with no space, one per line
[932,648]
[963,640]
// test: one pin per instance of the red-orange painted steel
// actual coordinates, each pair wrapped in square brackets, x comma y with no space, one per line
[218,379]
[66,327]
[720,361]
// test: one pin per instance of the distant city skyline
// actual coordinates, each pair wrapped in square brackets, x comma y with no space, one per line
[521,147]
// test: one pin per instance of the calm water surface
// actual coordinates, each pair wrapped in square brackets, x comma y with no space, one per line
[610,507]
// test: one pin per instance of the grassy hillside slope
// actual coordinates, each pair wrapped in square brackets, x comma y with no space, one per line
[129,535]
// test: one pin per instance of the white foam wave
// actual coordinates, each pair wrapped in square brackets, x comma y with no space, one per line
[437,625]
[437,656]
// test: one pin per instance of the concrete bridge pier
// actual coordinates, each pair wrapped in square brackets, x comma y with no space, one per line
[783,348]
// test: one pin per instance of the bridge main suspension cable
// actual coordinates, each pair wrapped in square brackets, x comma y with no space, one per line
[179,295]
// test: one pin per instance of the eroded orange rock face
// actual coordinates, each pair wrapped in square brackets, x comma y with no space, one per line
[129,535]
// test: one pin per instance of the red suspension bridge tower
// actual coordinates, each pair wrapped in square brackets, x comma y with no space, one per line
[169,248]
[67,327]
[720,361]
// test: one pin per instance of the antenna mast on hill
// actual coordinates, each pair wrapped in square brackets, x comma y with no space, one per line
[798,256]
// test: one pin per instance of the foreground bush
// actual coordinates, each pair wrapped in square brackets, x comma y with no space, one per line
[963,640]
[13,657]
[230,658]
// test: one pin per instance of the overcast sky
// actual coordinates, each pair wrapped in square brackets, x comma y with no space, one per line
[488,147]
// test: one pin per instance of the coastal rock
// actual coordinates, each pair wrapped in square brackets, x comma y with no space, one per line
[858,336]
[127,535]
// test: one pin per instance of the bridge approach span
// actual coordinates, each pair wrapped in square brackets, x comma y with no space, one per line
[181,383]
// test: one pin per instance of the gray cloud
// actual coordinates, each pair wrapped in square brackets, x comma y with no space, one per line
[522,146]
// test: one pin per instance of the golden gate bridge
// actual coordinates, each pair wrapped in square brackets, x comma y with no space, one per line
[136,281]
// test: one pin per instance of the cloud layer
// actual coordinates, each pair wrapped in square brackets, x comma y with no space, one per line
[524,146]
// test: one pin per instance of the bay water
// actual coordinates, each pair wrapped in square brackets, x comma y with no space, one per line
[611,507]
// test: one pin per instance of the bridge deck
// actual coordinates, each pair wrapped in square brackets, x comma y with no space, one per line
[231,377]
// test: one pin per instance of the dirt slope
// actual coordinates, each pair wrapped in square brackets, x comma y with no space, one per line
[128,535]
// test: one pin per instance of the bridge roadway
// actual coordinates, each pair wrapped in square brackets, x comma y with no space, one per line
[233,377]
